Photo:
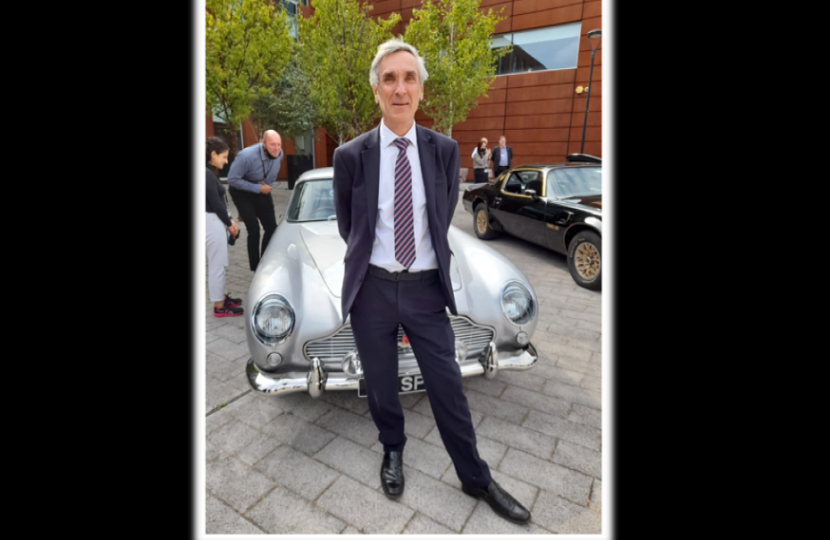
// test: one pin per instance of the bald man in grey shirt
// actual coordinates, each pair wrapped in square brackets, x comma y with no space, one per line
[250,179]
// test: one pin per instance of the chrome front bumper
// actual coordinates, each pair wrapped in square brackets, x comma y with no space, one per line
[316,380]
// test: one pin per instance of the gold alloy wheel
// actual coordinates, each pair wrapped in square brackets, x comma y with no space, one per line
[481,221]
[586,260]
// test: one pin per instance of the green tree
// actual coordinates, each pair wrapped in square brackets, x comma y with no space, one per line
[339,42]
[286,108]
[453,36]
[247,46]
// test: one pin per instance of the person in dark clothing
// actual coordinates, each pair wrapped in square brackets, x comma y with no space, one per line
[250,181]
[502,156]
[217,226]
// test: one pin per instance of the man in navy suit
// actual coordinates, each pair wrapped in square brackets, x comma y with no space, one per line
[395,192]
[502,156]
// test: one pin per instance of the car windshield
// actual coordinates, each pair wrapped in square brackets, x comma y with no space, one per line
[575,181]
[313,200]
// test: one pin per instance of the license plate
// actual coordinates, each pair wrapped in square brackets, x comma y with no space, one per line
[407,384]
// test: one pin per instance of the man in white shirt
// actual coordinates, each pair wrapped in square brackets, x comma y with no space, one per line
[395,191]
[502,156]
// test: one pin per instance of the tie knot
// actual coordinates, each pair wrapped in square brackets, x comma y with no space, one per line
[402,143]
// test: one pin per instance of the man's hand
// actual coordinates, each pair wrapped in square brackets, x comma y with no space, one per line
[265,189]
[234,229]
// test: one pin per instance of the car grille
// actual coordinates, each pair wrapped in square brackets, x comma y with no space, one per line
[336,346]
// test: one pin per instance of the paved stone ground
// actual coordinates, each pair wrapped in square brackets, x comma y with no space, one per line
[295,465]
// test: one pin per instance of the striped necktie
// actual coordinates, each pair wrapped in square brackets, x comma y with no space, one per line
[404,227]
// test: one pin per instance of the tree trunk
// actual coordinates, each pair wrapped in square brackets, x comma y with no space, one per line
[234,147]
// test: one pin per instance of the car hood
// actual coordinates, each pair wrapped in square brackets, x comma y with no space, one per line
[594,202]
[323,242]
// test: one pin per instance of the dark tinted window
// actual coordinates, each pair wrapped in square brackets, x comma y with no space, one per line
[513,184]
[554,47]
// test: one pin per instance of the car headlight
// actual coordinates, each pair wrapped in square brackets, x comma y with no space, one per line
[273,318]
[517,303]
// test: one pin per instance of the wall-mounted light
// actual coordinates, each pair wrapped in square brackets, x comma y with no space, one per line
[579,89]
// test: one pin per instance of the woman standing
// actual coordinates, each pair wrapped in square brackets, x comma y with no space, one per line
[480,159]
[217,226]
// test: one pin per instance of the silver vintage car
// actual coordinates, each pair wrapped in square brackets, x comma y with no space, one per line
[294,328]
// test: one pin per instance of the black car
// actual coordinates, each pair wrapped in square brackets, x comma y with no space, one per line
[558,206]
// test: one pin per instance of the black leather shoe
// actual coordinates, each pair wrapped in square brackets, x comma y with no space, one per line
[500,501]
[391,474]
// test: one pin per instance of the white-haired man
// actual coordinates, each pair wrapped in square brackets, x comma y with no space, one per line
[395,191]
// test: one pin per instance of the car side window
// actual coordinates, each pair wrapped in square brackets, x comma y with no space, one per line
[514,184]
[575,181]
[314,200]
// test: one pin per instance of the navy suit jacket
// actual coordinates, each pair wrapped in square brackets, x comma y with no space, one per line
[496,158]
[356,180]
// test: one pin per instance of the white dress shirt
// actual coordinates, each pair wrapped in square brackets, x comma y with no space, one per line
[383,250]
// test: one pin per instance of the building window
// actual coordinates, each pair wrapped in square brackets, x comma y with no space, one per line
[555,47]
[292,8]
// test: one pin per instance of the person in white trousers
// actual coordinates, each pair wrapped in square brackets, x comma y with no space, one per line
[217,226]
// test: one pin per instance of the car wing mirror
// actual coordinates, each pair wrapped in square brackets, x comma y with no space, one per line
[532,193]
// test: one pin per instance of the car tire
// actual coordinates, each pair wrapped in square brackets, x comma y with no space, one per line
[481,223]
[585,260]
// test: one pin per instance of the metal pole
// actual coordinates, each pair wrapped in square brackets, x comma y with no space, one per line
[587,101]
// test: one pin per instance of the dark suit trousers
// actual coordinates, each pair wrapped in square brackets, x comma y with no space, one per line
[499,169]
[420,307]
[253,206]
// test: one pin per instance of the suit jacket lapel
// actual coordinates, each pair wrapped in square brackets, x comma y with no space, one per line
[426,153]
[371,175]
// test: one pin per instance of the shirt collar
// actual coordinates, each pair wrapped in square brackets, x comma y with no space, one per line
[387,136]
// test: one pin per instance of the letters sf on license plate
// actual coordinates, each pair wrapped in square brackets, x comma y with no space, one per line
[407,384]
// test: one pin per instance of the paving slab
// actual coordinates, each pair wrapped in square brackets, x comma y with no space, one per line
[528,440]
[493,387]
[296,471]
[298,434]
[364,508]
[217,367]
[489,450]
[561,428]
[430,459]
[578,458]
[536,400]
[429,496]
[564,517]
[346,400]
[281,512]
[523,379]
[420,524]
[586,415]
[222,519]
[352,426]
[495,407]
[241,440]
[549,476]
[573,394]
[353,460]
[254,410]
[302,405]
[236,484]
[484,521]
[227,349]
